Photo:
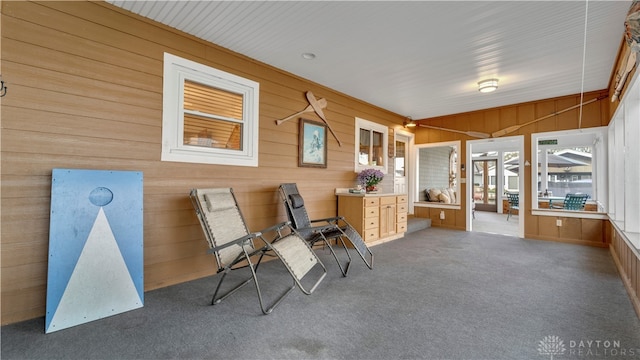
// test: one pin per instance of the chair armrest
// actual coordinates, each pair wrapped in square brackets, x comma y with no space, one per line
[275,227]
[237,241]
[320,228]
[329,219]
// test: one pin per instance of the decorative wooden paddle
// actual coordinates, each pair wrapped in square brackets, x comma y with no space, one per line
[470,133]
[308,109]
[631,62]
[513,128]
[318,109]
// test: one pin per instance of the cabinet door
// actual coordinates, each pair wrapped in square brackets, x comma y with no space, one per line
[387,220]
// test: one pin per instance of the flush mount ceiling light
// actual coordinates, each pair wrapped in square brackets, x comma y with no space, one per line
[488,85]
[308,56]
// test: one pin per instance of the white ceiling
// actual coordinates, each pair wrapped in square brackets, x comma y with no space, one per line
[416,58]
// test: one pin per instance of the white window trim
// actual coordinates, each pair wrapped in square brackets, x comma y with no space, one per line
[457,145]
[575,137]
[370,125]
[624,165]
[176,71]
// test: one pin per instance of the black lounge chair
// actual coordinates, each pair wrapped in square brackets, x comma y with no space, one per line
[324,230]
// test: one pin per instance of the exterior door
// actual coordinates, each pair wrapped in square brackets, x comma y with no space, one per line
[400,163]
[484,185]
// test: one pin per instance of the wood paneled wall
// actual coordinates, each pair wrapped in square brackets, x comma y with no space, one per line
[627,260]
[85,82]
[581,231]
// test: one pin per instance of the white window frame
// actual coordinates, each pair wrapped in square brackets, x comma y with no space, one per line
[370,125]
[178,70]
[624,164]
[596,137]
[448,144]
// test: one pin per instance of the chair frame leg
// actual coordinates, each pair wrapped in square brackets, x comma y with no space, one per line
[354,234]
[344,270]
[216,300]
[254,276]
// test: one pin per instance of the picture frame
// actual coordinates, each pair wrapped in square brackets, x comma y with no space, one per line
[312,144]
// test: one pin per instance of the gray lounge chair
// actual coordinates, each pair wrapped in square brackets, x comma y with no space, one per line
[324,230]
[233,245]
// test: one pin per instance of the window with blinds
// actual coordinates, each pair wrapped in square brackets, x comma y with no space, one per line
[209,116]
[212,117]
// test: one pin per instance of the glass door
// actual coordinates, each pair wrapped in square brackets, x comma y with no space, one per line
[484,185]
[400,161]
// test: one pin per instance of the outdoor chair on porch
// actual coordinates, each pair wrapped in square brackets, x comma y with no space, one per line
[234,248]
[513,200]
[324,230]
[573,202]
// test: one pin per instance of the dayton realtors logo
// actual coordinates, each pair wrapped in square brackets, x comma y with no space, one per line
[551,345]
[554,346]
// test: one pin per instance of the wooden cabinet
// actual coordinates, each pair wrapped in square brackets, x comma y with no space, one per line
[375,217]
[401,214]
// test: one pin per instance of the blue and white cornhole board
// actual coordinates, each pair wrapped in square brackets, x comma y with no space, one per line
[95,246]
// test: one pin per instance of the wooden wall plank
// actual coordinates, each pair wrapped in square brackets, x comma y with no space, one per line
[548,228]
[571,228]
[592,231]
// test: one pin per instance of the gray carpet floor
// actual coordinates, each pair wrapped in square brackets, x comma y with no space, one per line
[434,294]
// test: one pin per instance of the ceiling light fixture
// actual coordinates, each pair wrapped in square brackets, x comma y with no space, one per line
[488,85]
[308,56]
[409,122]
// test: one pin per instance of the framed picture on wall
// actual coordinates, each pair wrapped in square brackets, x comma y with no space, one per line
[312,144]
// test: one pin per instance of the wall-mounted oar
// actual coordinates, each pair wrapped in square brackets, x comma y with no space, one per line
[308,109]
[469,133]
[316,106]
[631,62]
[513,128]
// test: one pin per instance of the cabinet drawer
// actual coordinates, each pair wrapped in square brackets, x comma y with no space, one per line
[371,223]
[371,201]
[401,207]
[371,211]
[370,235]
[401,227]
[401,217]
[387,200]
[401,199]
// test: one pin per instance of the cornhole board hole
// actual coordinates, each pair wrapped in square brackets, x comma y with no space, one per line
[95,246]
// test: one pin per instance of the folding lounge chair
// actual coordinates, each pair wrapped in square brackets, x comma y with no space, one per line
[233,245]
[325,230]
